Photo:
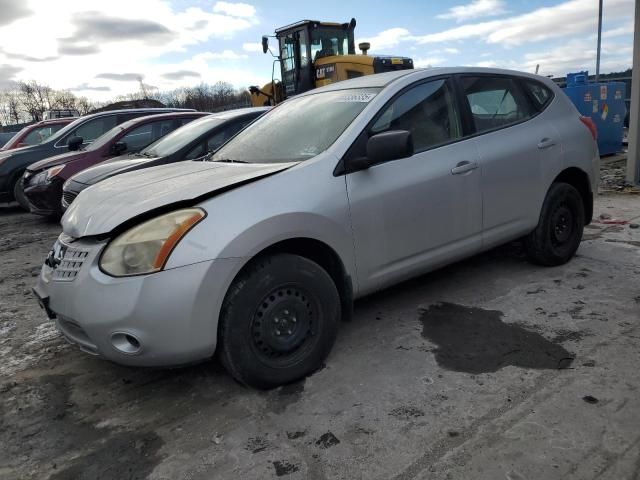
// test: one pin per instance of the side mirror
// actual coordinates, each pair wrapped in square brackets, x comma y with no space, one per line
[390,145]
[265,44]
[119,148]
[74,143]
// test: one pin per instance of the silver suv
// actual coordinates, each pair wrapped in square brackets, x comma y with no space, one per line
[259,251]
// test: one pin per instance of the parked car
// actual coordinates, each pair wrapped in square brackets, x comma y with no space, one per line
[81,132]
[195,140]
[42,181]
[36,133]
[331,195]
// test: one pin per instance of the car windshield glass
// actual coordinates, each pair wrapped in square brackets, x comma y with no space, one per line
[102,140]
[181,137]
[63,131]
[298,129]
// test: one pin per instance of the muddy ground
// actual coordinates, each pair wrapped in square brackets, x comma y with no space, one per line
[488,369]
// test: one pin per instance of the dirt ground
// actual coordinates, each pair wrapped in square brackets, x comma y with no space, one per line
[488,369]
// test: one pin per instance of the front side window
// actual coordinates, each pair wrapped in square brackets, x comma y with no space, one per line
[93,129]
[495,102]
[427,110]
[297,129]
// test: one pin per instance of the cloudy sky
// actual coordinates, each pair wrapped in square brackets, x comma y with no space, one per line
[101,48]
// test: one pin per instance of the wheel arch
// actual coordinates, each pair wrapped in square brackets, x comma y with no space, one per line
[318,252]
[579,179]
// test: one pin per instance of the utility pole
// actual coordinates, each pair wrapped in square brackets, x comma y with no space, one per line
[599,41]
[633,162]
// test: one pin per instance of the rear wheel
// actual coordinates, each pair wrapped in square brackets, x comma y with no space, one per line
[559,231]
[279,321]
[18,193]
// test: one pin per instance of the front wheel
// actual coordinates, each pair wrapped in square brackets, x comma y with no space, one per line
[559,231]
[279,321]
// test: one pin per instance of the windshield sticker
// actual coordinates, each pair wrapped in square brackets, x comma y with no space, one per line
[356,98]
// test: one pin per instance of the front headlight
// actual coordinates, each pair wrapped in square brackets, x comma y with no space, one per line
[44,176]
[145,248]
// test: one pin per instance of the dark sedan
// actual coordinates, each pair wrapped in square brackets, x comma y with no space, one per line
[187,143]
[81,131]
[42,181]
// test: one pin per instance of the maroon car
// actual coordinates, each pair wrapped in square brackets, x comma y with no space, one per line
[36,132]
[42,181]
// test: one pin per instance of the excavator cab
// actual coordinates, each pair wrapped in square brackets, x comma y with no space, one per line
[312,54]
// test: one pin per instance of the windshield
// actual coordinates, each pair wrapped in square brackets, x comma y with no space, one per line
[63,131]
[102,140]
[298,129]
[181,137]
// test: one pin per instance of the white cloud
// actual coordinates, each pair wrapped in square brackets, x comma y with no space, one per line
[165,28]
[626,29]
[253,47]
[578,54]
[428,62]
[235,9]
[569,18]
[486,64]
[387,39]
[224,55]
[475,9]
[452,51]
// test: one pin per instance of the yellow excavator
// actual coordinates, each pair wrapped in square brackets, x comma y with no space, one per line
[313,54]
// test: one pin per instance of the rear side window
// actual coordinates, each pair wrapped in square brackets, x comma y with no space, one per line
[427,111]
[495,102]
[540,94]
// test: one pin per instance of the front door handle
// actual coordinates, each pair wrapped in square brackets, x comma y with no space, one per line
[463,167]
[546,143]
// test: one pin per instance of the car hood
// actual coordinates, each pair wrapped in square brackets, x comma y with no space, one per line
[107,169]
[56,160]
[101,208]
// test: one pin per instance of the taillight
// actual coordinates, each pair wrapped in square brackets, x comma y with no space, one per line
[590,124]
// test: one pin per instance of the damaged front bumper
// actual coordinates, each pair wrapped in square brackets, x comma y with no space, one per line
[166,318]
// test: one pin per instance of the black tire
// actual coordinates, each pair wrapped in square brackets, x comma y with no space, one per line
[559,231]
[18,194]
[279,321]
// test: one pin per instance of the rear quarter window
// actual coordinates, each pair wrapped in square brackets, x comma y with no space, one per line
[540,95]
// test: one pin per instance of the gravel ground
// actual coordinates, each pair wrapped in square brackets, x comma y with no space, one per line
[490,368]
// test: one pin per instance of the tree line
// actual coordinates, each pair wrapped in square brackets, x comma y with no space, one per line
[27,101]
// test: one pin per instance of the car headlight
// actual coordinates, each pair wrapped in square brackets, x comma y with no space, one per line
[45,176]
[145,248]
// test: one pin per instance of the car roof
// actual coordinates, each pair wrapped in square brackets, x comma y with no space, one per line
[56,120]
[381,80]
[160,116]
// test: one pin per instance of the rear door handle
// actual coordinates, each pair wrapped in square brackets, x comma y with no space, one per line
[463,167]
[546,143]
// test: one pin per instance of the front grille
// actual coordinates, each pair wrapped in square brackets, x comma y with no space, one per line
[69,261]
[68,197]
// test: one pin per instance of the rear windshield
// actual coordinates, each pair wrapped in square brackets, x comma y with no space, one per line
[298,129]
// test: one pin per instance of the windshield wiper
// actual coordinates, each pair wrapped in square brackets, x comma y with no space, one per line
[228,160]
